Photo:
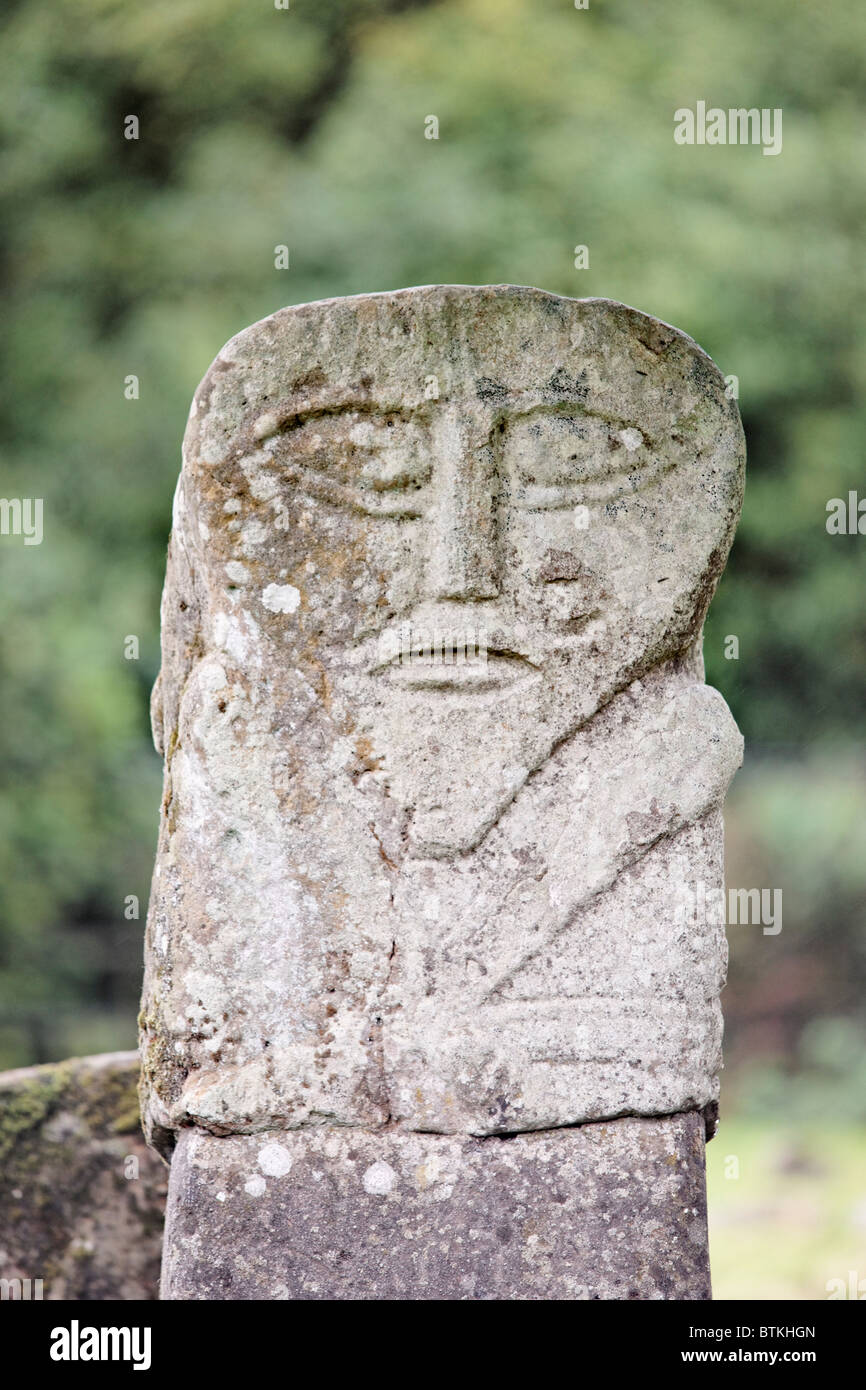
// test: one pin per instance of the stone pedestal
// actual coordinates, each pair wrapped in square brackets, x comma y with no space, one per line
[599,1211]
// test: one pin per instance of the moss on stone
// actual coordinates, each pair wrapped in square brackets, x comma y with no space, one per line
[24,1107]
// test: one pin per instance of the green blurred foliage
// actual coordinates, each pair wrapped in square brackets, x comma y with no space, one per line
[795,1003]
[306,127]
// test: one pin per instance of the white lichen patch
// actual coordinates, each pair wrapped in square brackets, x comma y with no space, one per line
[631,438]
[253,533]
[266,425]
[237,635]
[281,598]
[379,1179]
[275,1160]
[263,487]
[178,505]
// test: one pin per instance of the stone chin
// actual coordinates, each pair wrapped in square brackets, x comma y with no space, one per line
[453,744]
[454,761]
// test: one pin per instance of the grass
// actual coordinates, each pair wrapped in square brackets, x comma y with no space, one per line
[787,1210]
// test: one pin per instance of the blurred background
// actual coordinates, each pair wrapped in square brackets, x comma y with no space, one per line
[305,127]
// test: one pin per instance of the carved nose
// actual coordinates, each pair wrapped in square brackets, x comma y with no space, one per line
[463,560]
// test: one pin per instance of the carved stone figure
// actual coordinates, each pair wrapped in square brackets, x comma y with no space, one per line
[440,759]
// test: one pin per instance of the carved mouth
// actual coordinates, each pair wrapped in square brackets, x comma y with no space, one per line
[457,672]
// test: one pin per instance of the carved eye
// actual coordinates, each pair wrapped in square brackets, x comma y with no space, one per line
[374,464]
[559,460]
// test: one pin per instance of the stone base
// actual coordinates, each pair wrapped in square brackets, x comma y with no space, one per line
[615,1210]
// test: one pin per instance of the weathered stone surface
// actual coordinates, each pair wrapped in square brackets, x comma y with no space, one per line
[81,1196]
[602,1211]
[421,893]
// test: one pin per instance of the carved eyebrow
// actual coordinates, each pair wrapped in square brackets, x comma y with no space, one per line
[549,410]
[564,407]
[420,412]
[306,411]
[366,500]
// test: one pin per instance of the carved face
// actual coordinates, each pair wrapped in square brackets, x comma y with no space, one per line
[468,517]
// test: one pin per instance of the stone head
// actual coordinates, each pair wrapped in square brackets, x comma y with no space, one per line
[465,517]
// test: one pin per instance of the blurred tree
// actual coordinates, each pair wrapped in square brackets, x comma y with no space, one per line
[113,247]
[305,127]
